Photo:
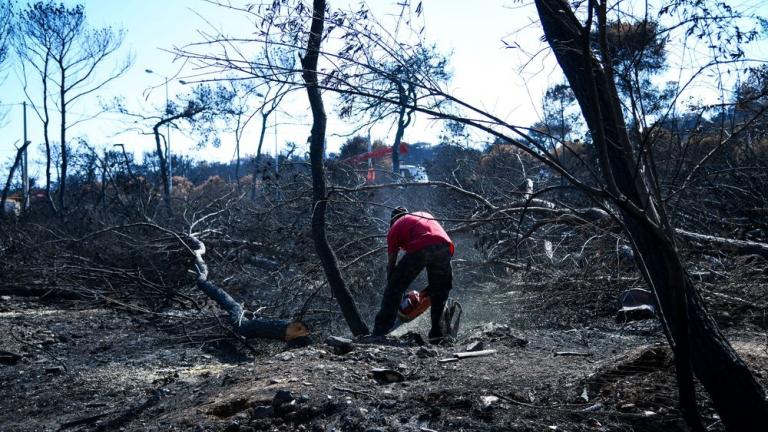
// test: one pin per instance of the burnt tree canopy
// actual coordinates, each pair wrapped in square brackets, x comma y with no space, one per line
[70,59]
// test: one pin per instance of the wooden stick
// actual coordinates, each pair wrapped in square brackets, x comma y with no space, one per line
[467,354]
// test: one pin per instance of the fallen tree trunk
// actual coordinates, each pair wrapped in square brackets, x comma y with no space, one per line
[741,247]
[247,327]
[47,292]
[600,217]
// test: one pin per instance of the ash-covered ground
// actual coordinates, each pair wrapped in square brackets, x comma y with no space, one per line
[81,366]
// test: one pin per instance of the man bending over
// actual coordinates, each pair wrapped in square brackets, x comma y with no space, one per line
[426,244]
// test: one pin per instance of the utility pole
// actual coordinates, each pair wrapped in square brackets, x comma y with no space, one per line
[370,175]
[25,164]
[370,147]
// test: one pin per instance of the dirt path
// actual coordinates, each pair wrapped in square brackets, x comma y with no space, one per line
[102,369]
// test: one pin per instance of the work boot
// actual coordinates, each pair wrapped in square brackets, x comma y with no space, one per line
[438,338]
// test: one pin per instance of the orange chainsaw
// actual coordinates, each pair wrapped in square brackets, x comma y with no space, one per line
[413,304]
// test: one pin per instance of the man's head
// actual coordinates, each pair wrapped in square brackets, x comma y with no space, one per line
[396,214]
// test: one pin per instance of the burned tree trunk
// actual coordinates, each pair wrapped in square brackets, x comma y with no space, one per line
[401,125]
[188,113]
[163,163]
[16,163]
[63,140]
[319,193]
[696,341]
[257,159]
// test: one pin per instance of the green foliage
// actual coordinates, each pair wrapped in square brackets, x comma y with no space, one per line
[453,133]
[561,117]
[635,46]
[356,145]
[724,29]
[637,52]
[751,105]
[382,74]
[387,83]
[752,94]
[201,109]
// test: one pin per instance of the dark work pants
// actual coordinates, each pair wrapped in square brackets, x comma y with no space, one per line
[437,260]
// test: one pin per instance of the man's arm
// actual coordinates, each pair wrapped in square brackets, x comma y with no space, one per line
[391,261]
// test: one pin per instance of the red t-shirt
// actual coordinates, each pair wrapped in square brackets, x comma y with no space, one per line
[415,231]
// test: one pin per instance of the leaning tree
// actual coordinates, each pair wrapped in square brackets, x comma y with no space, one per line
[629,183]
[200,109]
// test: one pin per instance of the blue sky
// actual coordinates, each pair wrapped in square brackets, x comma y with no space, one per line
[485,73]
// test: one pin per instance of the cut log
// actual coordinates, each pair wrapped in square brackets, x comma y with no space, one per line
[272,329]
[296,329]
